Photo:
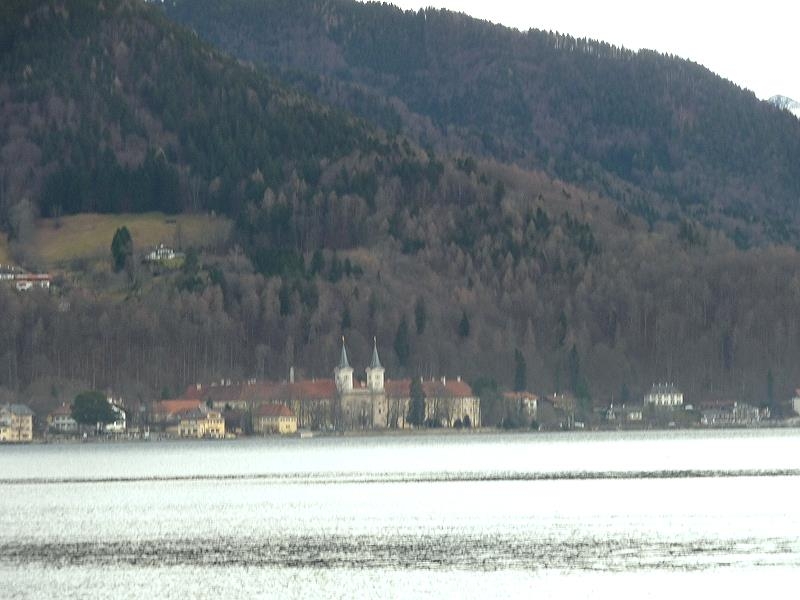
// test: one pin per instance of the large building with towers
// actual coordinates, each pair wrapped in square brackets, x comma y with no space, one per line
[347,403]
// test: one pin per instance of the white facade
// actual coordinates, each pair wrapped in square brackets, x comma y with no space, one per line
[664,394]
[61,421]
[120,424]
[160,254]
[375,371]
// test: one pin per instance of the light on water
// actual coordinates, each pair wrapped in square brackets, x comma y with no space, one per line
[633,515]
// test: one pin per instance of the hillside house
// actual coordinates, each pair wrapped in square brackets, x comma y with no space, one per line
[23,281]
[161,254]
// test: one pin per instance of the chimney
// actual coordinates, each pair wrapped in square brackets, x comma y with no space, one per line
[444,381]
[291,374]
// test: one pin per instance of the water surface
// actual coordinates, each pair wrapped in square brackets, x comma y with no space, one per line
[561,515]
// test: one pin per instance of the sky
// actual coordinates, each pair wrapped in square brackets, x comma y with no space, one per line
[753,44]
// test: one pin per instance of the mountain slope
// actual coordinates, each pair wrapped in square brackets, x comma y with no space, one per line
[107,106]
[452,262]
[661,134]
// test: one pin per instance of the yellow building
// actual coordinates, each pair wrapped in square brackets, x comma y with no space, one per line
[16,423]
[202,424]
[274,418]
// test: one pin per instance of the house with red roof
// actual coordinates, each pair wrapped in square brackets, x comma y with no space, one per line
[166,415]
[61,421]
[274,418]
[201,423]
[447,403]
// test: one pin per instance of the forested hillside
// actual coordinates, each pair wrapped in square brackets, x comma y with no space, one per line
[662,135]
[458,262]
[107,107]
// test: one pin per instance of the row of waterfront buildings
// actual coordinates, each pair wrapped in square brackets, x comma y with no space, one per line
[343,403]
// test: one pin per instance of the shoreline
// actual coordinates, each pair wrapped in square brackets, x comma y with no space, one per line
[390,433]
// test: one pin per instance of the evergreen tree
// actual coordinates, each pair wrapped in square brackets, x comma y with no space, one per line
[317,262]
[402,346]
[520,371]
[121,248]
[92,408]
[574,369]
[416,409]
[347,320]
[285,300]
[420,315]
[578,384]
[335,273]
[190,272]
[624,394]
[770,389]
[463,325]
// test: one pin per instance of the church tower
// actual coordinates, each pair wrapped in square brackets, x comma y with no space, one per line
[343,373]
[375,370]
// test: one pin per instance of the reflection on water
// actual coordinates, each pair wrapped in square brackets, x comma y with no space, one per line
[460,516]
[425,551]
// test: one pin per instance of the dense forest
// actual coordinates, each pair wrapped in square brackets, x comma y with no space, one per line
[661,134]
[463,258]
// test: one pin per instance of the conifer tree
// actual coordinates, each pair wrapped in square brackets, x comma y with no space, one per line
[121,248]
[402,345]
[520,371]
[416,409]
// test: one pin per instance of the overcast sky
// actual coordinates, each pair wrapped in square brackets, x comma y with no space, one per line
[755,44]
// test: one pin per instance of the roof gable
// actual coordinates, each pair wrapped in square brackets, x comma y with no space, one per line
[274,410]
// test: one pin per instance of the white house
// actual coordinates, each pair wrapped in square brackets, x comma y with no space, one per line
[29,281]
[664,395]
[160,254]
[61,421]
[120,423]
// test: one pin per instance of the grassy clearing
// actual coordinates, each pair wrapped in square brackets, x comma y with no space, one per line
[89,236]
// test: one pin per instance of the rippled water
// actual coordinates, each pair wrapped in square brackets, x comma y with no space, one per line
[628,515]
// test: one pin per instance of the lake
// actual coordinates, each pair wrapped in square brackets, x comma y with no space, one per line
[628,515]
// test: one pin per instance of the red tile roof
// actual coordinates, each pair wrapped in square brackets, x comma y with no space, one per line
[65,410]
[274,410]
[265,391]
[174,407]
[401,388]
[313,389]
